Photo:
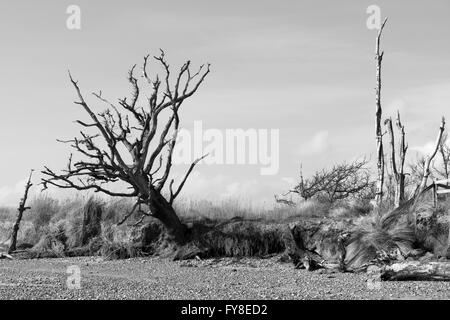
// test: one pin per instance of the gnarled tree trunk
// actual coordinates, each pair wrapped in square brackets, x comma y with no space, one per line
[163,211]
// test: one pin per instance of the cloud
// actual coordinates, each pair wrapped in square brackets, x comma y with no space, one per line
[225,187]
[201,185]
[319,144]
[421,107]
[10,195]
[425,149]
[289,181]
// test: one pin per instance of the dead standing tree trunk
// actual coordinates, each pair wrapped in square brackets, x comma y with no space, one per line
[444,150]
[378,116]
[403,148]
[22,208]
[398,171]
[134,148]
[429,158]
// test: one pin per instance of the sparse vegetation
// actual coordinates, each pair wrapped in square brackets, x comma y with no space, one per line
[55,227]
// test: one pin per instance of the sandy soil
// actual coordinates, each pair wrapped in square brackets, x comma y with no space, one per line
[156,278]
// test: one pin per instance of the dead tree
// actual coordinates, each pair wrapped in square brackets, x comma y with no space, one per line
[398,170]
[403,148]
[444,152]
[338,183]
[22,208]
[426,167]
[378,116]
[130,145]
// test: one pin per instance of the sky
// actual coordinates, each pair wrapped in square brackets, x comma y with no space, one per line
[305,68]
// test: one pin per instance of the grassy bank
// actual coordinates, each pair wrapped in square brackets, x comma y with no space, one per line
[229,228]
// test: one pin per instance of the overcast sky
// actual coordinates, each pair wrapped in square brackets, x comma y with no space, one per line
[304,67]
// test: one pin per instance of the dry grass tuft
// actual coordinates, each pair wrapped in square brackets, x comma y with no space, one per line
[52,242]
[378,238]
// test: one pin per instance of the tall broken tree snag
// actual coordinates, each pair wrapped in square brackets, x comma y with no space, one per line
[378,116]
[444,151]
[426,167]
[403,148]
[22,208]
[398,169]
[134,143]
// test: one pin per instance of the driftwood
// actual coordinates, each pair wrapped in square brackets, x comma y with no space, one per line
[5,256]
[415,270]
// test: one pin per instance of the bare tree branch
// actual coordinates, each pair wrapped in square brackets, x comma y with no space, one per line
[173,195]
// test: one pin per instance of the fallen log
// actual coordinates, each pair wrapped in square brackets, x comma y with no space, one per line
[416,270]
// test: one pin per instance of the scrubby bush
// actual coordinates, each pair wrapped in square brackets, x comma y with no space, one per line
[342,181]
